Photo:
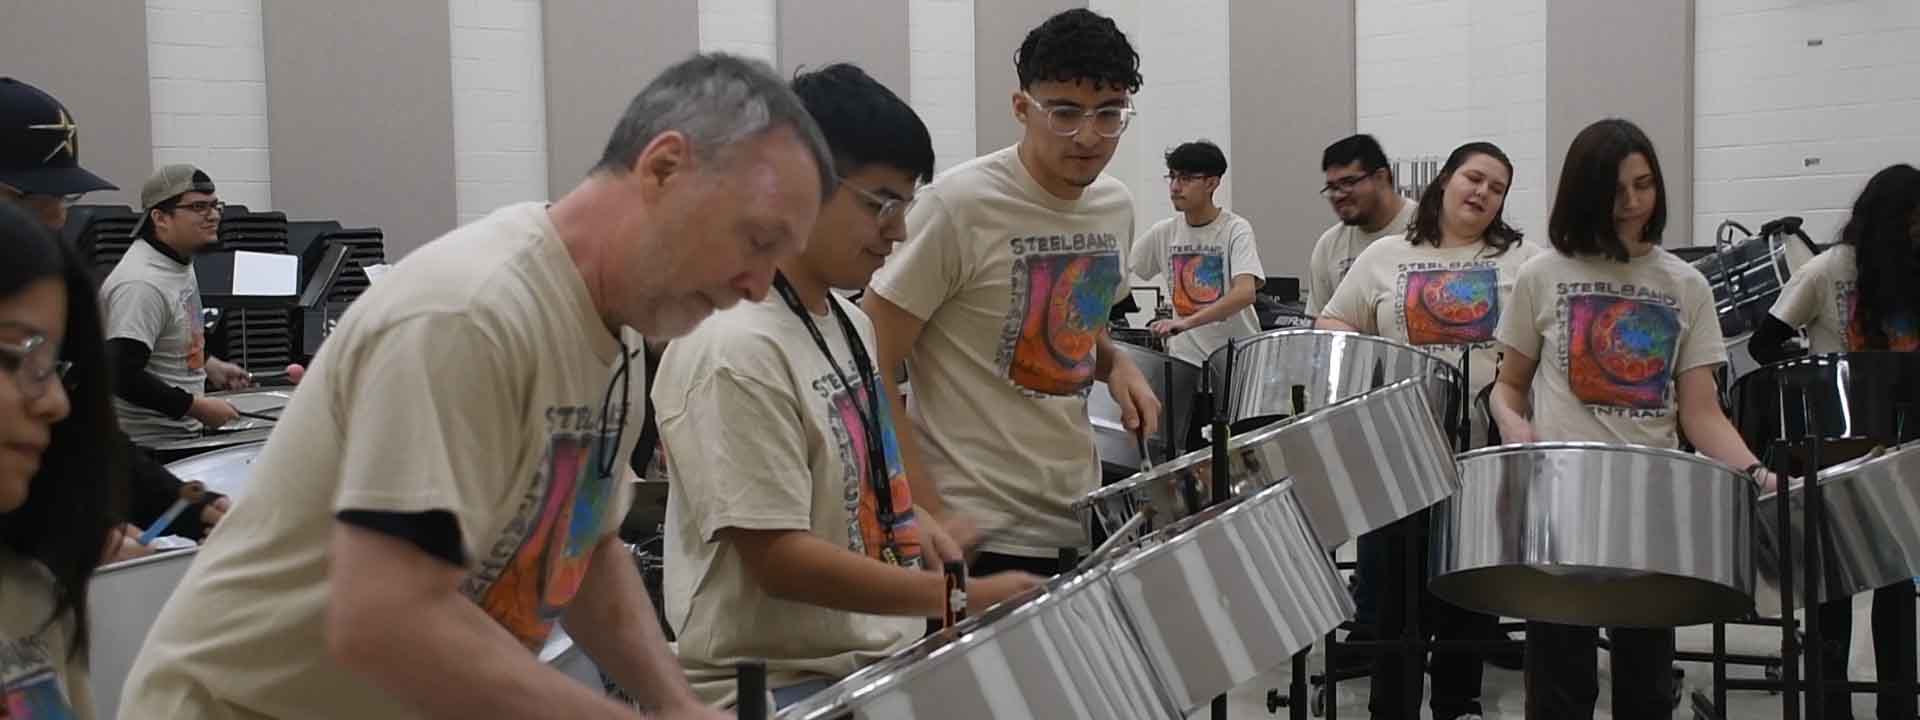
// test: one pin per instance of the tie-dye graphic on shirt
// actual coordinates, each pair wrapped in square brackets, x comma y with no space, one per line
[1451,307]
[536,566]
[1903,333]
[32,688]
[1197,279]
[196,329]
[1620,351]
[1063,289]
[865,535]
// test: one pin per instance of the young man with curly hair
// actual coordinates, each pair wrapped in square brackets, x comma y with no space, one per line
[998,305]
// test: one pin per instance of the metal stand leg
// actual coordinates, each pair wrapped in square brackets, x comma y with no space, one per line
[1302,700]
[1815,544]
[1720,669]
[1789,635]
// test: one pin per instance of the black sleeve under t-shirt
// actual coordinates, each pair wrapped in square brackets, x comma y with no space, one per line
[435,532]
[134,384]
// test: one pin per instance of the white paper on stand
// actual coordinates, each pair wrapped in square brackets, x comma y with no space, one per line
[257,273]
[375,271]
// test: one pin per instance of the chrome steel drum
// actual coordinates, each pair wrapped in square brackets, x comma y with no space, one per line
[123,599]
[1288,372]
[1174,381]
[242,431]
[1062,654]
[224,471]
[1747,277]
[1860,400]
[1226,595]
[1597,535]
[1871,505]
[1360,464]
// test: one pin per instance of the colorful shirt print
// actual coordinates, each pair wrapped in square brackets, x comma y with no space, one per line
[533,571]
[1198,277]
[1459,306]
[1620,351]
[1903,334]
[865,535]
[196,329]
[32,688]
[1063,289]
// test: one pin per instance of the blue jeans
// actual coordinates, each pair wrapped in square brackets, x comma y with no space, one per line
[782,697]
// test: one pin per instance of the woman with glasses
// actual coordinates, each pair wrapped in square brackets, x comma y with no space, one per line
[1440,287]
[56,473]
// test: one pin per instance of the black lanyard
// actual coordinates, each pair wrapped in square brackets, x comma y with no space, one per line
[880,476]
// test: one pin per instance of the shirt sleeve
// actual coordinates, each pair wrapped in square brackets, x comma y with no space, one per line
[1520,322]
[1243,251]
[1800,302]
[1149,253]
[1320,279]
[1352,301]
[930,267]
[735,446]
[1702,344]
[137,311]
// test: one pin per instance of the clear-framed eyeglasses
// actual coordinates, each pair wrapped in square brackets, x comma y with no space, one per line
[1067,120]
[884,208]
[34,365]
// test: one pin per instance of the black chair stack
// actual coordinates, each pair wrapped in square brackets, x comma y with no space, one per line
[258,339]
[365,246]
[102,233]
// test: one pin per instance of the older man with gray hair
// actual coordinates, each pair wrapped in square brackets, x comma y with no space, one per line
[447,481]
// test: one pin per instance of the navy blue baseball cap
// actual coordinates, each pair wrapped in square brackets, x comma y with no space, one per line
[40,144]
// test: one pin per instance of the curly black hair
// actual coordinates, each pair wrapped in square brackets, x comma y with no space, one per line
[1076,45]
[1200,157]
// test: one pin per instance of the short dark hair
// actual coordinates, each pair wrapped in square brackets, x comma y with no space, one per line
[1426,220]
[1076,45]
[1886,259]
[717,100]
[1348,150]
[80,488]
[1200,157]
[1582,219]
[864,122]
[165,207]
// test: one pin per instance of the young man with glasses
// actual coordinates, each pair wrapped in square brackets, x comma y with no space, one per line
[998,303]
[1360,189]
[154,329]
[791,533]
[1208,253]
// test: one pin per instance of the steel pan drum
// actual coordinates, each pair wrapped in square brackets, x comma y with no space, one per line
[242,431]
[1597,535]
[123,599]
[1860,400]
[1228,594]
[1871,505]
[1062,654]
[1288,372]
[1359,465]
[224,471]
[1175,381]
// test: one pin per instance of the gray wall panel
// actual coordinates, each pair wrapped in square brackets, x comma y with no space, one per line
[1630,59]
[998,28]
[870,33]
[600,53]
[361,115]
[1293,94]
[93,57]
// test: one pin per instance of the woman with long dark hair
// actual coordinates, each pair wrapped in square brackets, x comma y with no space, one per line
[1440,287]
[1861,294]
[57,479]
[1608,216]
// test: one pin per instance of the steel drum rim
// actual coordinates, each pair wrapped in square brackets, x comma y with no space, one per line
[157,557]
[1845,471]
[1178,533]
[1315,332]
[1238,442]
[1590,445]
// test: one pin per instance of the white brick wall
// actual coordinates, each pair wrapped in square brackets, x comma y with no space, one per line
[742,27]
[499,104]
[1796,104]
[208,80]
[1434,74]
[940,78]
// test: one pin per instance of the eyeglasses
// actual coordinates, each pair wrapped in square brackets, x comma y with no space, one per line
[1067,120]
[1344,185]
[885,209]
[1184,178]
[33,366]
[203,207]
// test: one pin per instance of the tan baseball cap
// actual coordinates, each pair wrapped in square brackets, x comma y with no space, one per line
[168,183]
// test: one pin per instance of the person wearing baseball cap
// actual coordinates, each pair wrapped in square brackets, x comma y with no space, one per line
[40,154]
[153,315]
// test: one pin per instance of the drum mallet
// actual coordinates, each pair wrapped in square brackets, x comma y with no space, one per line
[752,691]
[190,493]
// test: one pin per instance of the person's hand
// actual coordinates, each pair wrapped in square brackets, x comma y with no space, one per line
[985,592]
[215,511]
[227,376]
[1516,432]
[690,709]
[936,544]
[1139,408]
[213,412]
[123,543]
[1164,328]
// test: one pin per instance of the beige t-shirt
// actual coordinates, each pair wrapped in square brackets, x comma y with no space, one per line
[154,299]
[40,675]
[1820,298]
[1201,264]
[471,380]
[1444,300]
[1610,338]
[761,434]
[1014,285]
[1337,248]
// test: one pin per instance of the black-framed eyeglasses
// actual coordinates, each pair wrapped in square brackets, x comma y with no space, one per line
[203,207]
[1344,185]
[1067,120]
[884,208]
[1184,178]
[34,364]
